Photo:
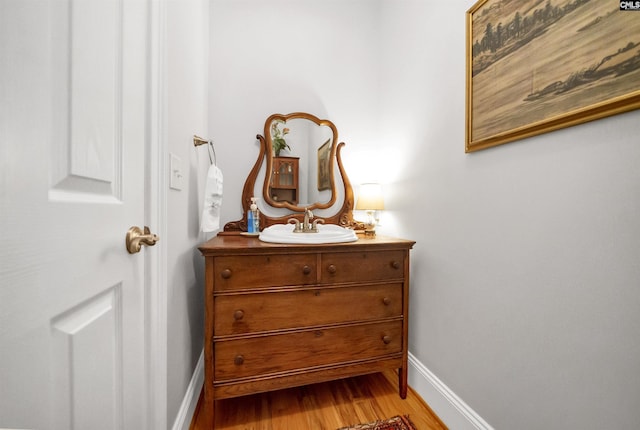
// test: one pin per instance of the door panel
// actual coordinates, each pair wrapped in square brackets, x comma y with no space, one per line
[87,73]
[91,329]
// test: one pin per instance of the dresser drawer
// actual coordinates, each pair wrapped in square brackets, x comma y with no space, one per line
[362,266]
[265,355]
[250,313]
[256,271]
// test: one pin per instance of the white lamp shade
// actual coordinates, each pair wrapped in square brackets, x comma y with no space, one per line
[370,197]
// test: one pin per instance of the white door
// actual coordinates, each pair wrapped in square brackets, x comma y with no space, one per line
[73,112]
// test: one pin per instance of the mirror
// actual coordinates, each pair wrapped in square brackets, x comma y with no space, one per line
[303,170]
[300,162]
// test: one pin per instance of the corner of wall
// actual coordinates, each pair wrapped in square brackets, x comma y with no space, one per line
[450,408]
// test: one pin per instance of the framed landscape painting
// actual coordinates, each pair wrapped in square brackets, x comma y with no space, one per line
[539,65]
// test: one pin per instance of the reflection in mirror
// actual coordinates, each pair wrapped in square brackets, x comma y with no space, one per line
[301,157]
[306,173]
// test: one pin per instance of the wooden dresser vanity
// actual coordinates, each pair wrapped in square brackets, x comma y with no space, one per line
[281,315]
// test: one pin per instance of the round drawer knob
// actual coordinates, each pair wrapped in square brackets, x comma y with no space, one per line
[386,339]
[386,301]
[332,269]
[306,270]
[238,360]
[238,315]
[395,264]
[226,273]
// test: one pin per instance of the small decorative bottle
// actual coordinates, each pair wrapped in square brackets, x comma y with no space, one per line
[253,217]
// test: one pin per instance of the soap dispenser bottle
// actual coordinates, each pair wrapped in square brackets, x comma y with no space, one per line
[253,217]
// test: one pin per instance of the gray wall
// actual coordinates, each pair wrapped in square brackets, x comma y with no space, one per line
[525,276]
[282,56]
[185,96]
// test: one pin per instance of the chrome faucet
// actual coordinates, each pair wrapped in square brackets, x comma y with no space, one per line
[306,226]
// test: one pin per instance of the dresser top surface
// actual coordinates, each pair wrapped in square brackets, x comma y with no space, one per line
[242,244]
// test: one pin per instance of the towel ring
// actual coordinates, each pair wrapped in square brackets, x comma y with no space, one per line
[197,141]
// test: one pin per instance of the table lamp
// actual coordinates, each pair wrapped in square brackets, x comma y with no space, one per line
[370,200]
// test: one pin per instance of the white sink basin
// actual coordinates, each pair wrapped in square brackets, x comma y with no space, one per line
[330,233]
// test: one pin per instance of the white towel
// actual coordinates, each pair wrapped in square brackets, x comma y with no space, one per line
[212,200]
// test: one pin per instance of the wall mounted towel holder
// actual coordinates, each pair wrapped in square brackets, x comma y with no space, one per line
[197,141]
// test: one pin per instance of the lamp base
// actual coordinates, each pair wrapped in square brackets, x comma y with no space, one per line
[370,225]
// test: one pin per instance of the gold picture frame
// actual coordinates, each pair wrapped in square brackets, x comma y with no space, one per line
[534,66]
[324,167]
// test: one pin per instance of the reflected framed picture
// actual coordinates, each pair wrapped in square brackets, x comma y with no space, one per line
[324,158]
[534,66]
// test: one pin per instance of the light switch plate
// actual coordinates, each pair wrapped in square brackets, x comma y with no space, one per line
[175,166]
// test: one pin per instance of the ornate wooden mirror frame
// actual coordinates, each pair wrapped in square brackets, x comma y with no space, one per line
[343,215]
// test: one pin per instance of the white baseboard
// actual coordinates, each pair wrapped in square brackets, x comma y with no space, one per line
[190,401]
[450,408]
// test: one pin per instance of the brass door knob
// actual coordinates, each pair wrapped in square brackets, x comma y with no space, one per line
[136,238]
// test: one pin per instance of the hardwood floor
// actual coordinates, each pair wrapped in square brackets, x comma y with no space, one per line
[325,406]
